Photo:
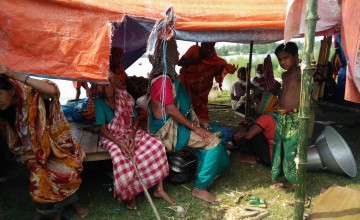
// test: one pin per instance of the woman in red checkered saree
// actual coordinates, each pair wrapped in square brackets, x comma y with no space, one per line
[121,136]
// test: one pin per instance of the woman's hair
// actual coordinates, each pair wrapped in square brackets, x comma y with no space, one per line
[8,114]
[5,83]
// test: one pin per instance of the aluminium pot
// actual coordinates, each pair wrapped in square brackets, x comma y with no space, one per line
[181,170]
[179,165]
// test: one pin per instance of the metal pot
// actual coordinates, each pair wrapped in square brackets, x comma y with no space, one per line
[181,170]
[335,153]
[314,162]
[178,164]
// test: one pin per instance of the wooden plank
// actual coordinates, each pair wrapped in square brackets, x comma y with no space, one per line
[239,114]
[337,203]
[88,141]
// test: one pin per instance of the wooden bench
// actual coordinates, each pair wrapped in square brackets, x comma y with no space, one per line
[89,141]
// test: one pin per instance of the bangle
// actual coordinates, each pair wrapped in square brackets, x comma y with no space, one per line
[135,128]
[192,126]
[26,78]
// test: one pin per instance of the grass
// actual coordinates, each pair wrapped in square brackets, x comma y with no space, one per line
[240,179]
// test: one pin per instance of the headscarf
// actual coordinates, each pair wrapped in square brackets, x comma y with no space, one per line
[162,47]
[162,50]
[163,63]
[270,84]
[269,103]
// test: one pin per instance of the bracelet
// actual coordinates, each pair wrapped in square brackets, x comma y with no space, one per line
[192,126]
[26,78]
[135,128]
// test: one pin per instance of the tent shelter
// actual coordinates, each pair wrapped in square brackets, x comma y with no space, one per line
[71,39]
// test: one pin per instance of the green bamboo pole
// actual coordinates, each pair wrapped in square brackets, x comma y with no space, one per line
[304,113]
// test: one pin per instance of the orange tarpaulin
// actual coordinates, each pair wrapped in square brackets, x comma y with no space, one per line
[71,39]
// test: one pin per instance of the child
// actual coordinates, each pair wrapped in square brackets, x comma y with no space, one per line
[287,120]
[291,79]
[238,91]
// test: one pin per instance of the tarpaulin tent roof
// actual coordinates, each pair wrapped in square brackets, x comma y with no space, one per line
[71,39]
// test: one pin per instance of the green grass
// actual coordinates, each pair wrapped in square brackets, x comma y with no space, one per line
[239,179]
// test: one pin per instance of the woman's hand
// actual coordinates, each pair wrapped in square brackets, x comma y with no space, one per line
[132,143]
[231,68]
[205,135]
[126,151]
[237,137]
[6,71]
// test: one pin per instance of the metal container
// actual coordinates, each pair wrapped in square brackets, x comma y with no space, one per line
[181,170]
[335,154]
[313,160]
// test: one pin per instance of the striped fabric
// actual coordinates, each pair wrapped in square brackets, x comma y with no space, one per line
[269,103]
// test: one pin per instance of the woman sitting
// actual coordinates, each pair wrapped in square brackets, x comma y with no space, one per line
[260,137]
[172,120]
[36,130]
[130,148]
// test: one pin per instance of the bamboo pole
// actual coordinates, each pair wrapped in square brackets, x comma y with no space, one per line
[248,70]
[146,191]
[305,98]
[327,44]
[318,91]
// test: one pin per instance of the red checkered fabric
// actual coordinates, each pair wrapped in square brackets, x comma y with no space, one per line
[151,162]
[149,154]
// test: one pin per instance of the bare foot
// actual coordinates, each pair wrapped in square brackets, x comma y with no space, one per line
[80,210]
[162,194]
[131,204]
[204,195]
